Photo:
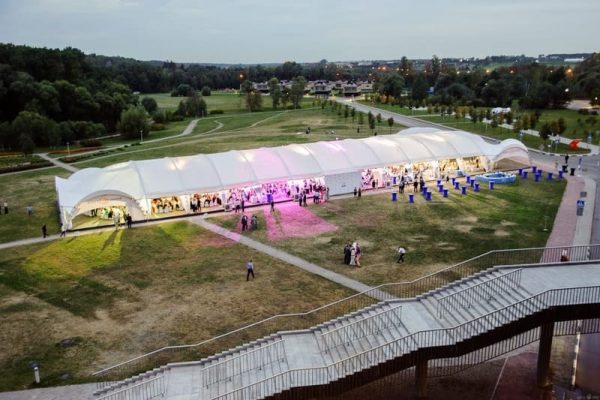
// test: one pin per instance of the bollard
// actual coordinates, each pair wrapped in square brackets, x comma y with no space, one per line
[446,193]
[464,190]
[411,198]
[525,173]
[549,176]
[520,171]
[477,187]
[428,196]
[456,185]
[491,185]
[560,175]
[537,178]
[533,169]
[394,196]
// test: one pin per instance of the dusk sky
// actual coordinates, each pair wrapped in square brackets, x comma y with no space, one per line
[260,31]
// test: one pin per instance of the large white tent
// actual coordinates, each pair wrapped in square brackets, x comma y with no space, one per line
[135,183]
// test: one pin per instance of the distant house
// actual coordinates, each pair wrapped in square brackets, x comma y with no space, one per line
[350,90]
[321,89]
[262,87]
[365,87]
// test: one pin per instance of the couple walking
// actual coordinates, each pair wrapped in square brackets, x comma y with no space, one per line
[352,254]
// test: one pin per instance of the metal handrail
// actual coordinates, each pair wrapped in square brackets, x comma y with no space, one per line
[468,294]
[343,336]
[336,366]
[209,376]
[549,255]
[139,385]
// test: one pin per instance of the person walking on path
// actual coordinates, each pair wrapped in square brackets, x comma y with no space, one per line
[44,231]
[29,210]
[401,253]
[63,230]
[249,270]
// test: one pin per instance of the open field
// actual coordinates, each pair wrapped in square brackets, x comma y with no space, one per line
[577,124]
[35,188]
[436,234]
[227,102]
[123,293]
[246,131]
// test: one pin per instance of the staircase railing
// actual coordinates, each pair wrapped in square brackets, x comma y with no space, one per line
[147,390]
[344,306]
[415,341]
[483,291]
[360,328]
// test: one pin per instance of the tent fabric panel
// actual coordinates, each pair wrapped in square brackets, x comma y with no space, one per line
[359,155]
[330,156]
[388,150]
[159,176]
[267,164]
[197,174]
[233,168]
[299,161]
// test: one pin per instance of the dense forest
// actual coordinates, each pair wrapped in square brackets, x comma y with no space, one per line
[49,97]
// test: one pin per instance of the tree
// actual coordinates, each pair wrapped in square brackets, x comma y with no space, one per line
[34,129]
[206,91]
[285,96]
[562,125]
[254,101]
[274,92]
[195,106]
[149,104]
[545,131]
[392,87]
[134,122]
[390,122]
[372,124]
[378,118]
[297,90]
[346,112]
[361,118]
[353,113]
[420,88]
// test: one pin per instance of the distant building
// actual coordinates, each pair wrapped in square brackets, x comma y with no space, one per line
[350,90]
[322,89]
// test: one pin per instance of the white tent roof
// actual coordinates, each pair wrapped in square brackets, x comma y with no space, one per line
[210,172]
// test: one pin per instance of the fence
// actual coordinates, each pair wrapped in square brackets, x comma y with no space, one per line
[146,390]
[408,344]
[360,328]
[341,307]
[483,291]
[256,359]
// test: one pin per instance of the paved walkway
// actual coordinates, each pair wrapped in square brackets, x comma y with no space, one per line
[288,258]
[71,392]
[58,163]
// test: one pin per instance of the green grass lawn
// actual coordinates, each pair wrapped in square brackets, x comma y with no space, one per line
[227,102]
[577,124]
[35,188]
[123,293]
[246,131]
[436,234]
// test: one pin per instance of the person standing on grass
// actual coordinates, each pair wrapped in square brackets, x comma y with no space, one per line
[44,231]
[244,222]
[5,207]
[357,254]
[415,185]
[63,230]
[249,270]
[29,210]
[401,253]
[355,191]
[359,192]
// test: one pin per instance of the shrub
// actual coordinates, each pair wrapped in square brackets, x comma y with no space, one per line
[205,91]
[90,143]
[158,127]
[177,117]
[215,112]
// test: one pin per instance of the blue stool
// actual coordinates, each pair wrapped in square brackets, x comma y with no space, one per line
[472,182]
[393,180]
[477,187]
[446,193]
[464,190]
[520,171]
[468,179]
[456,185]
[440,188]
[453,180]
[525,173]
[491,185]
[439,182]
[411,198]
[560,175]
[533,169]
[394,196]
[549,176]
[428,196]
[537,178]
